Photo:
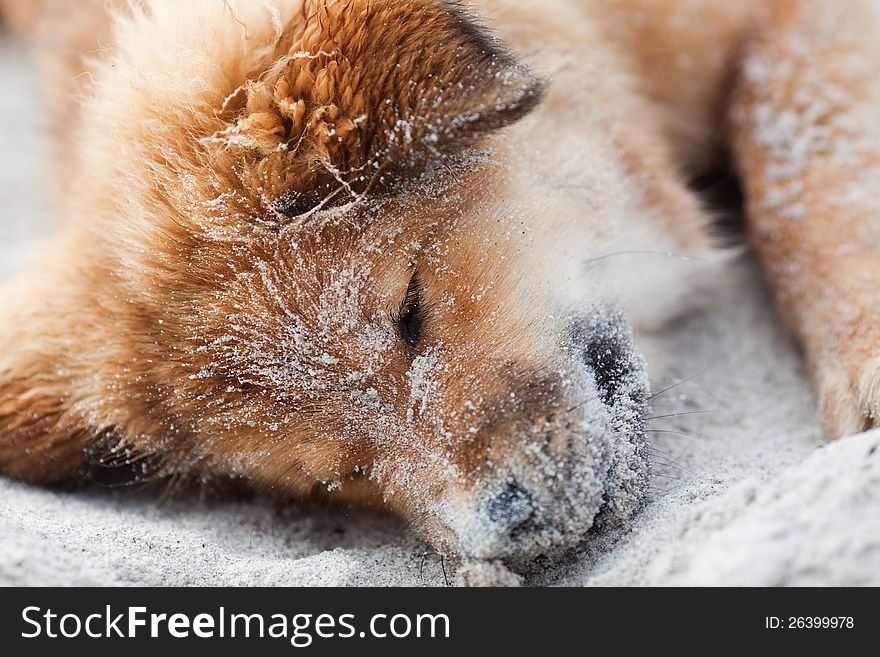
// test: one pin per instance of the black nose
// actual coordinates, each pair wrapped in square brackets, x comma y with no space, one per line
[606,345]
[514,509]
[607,357]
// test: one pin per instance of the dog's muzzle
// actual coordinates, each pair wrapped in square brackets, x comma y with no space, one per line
[587,468]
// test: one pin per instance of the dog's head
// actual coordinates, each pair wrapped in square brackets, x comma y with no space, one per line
[320,277]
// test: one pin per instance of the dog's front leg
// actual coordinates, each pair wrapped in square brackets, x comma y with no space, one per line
[805,134]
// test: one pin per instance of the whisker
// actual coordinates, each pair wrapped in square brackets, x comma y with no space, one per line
[674,385]
[659,417]
[653,450]
[676,466]
[668,254]
[657,450]
[677,433]
[663,476]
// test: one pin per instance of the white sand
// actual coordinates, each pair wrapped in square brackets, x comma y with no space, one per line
[753,496]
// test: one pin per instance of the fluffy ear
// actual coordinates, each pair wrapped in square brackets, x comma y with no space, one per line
[373,95]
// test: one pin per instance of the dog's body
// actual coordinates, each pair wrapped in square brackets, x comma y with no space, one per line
[358,247]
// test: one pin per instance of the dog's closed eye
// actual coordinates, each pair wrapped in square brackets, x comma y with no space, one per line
[410,317]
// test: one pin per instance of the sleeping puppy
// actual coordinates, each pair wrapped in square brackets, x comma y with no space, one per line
[363,248]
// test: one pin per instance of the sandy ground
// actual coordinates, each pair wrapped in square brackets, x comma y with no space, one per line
[745,490]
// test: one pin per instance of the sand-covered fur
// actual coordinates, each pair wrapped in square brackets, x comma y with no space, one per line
[354,248]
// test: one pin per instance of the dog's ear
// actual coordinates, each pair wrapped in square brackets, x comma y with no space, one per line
[371,97]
